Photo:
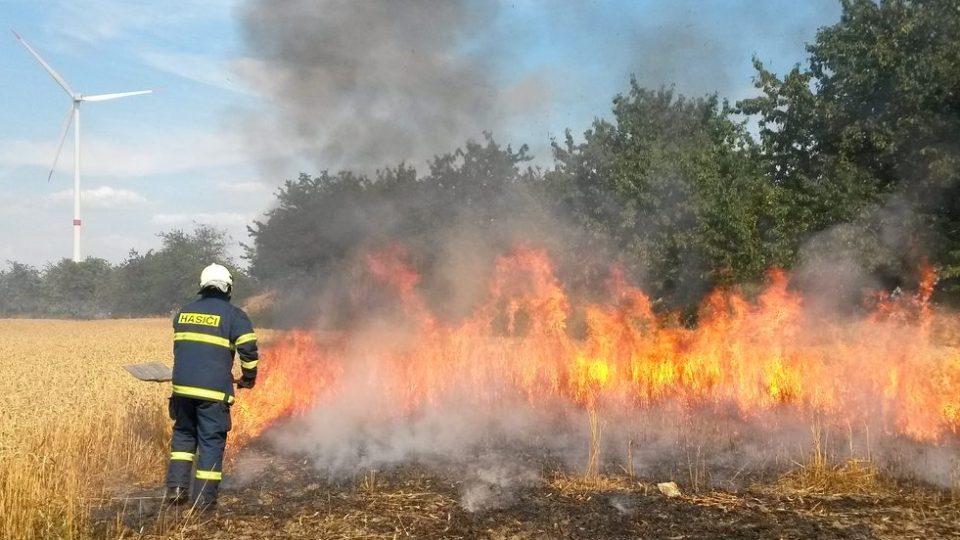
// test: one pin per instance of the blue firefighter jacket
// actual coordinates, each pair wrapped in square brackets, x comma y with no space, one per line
[206,334]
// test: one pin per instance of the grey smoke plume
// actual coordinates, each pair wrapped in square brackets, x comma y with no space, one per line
[360,84]
[366,84]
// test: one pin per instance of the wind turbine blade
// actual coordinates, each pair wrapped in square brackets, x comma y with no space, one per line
[56,76]
[63,136]
[105,97]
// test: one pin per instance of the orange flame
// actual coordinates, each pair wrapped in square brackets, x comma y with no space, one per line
[757,356]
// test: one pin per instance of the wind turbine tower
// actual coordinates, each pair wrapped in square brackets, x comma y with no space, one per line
[73,116]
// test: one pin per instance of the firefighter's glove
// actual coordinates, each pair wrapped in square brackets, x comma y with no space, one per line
[246,382]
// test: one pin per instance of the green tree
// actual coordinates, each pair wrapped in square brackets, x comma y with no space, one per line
[319,221]
[159,281]
[673,183]
[21,291]
[476,184]
[867,132]
[310,240]
[78,289]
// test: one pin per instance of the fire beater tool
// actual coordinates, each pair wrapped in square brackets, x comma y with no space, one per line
[153,372]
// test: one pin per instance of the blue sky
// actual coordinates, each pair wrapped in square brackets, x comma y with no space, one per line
[191,152]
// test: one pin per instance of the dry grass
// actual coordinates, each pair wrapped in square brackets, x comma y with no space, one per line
[72,422]
[596,436]
[822,475]
[578,484]
[852,477]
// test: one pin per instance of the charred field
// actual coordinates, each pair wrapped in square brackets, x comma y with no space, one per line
[287,498]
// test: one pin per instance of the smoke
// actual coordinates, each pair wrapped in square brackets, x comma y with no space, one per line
[362,84]
[360,429]
[369,84]
[880,250]
[493,482]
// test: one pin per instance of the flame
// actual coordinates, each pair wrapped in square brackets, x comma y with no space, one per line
[887,369]
[308,372]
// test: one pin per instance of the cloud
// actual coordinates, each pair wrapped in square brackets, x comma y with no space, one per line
[204,69]
[229,219]
[152,154]
[242,187]
[92,21]
[101,197]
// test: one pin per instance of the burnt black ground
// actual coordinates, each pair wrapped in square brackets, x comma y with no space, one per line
[286,498]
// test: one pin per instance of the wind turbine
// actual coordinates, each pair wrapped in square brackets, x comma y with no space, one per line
[73,116]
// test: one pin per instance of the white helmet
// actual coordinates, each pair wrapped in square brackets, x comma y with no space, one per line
[216,276]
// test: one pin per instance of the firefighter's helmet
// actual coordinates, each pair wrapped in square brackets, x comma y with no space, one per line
[216,276]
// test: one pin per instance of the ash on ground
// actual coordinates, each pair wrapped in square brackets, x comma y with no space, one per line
[495,484]
[276,496]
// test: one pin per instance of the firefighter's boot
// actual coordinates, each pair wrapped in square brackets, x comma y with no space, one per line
[176,495]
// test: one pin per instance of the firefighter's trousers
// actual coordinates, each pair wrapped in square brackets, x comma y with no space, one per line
[199,438]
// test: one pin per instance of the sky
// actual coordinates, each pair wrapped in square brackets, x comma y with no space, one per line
[247,95]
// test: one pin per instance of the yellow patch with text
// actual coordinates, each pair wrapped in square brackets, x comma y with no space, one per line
[203,319]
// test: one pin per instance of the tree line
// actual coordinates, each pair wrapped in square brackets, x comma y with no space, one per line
[850,158]
[152,283]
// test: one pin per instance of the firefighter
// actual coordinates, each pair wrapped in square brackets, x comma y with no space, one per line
[206,334]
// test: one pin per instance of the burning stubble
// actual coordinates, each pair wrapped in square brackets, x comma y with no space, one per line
[713,405]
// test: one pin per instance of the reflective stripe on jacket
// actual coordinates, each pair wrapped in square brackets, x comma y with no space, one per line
[206,334]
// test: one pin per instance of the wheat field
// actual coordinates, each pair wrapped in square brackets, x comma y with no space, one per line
[73,424]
